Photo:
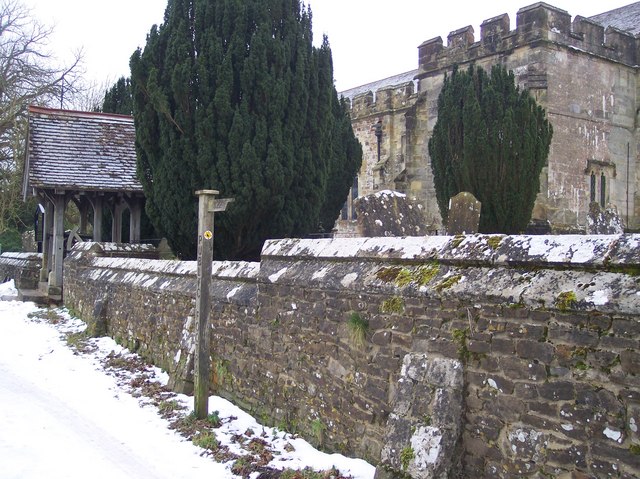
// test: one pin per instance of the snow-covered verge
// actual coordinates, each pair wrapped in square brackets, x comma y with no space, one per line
[73,407]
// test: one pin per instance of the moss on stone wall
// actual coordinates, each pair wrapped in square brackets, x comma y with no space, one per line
[392,305]
[522,358]
[566,300]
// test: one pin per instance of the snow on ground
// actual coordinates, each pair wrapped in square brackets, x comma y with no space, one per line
[63,415]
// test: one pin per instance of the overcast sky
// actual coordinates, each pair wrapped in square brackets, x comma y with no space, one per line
[370,39]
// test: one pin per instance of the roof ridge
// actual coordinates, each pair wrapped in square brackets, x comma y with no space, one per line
[77,113]
[623,7]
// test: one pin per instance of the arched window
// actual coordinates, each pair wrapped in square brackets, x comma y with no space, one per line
[598,188]
[349,209]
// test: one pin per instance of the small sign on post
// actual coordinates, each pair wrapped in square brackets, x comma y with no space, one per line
[207,205]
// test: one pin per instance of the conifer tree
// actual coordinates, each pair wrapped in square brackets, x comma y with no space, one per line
[118,98]
[232,95]
[491,139]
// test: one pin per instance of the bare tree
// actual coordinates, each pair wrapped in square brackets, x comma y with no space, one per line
[29,74]
[90,96]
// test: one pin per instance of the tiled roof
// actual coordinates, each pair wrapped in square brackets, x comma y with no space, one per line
[625,18]
[380,84]
[82,151]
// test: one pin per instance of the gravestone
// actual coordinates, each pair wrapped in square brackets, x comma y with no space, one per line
[464,214]
[389,213]
[426,421]
[164,250]
[604,222]
[29,244]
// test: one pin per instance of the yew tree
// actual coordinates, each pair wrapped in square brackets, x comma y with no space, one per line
[232,95]
[117,98]
[491,139]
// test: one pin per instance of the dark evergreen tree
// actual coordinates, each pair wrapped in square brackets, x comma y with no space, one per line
[491,139]
[232,95]
[118,98]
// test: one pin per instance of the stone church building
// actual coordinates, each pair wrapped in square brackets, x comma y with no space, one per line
[584,72]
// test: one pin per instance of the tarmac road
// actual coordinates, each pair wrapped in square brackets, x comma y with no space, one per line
[60,418]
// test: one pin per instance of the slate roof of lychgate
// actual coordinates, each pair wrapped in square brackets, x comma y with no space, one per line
[625,18]
[81,151]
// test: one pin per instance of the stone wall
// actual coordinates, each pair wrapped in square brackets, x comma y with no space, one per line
[23,268]
[313,339]
[149,305]
[583,75]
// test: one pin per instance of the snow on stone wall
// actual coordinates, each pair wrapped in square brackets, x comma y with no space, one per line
[313,338]
[23,268]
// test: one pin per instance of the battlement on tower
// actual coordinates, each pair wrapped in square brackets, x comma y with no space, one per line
[535,24]
[392,97]
[539,22]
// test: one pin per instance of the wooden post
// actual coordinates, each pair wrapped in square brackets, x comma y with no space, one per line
[135,214]
[116,221]
[47,233]
[55,280]
[207,205]
[203,303]
[97,218]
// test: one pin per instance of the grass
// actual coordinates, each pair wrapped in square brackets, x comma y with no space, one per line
[459,337]
[78,341]
[190,425]
[358,329]
[214,419]
[308,473]
[206,440]
[49,315]
[243,466]
[221,374]
[406,456]
[317,429]
[169,406]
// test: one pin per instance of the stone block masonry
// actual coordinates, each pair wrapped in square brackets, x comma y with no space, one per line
[583,73]
[314,337]
[23,268]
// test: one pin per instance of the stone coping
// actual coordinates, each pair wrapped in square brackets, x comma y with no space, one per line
[546,251]
[30,256]
[221,269]
[109,247]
